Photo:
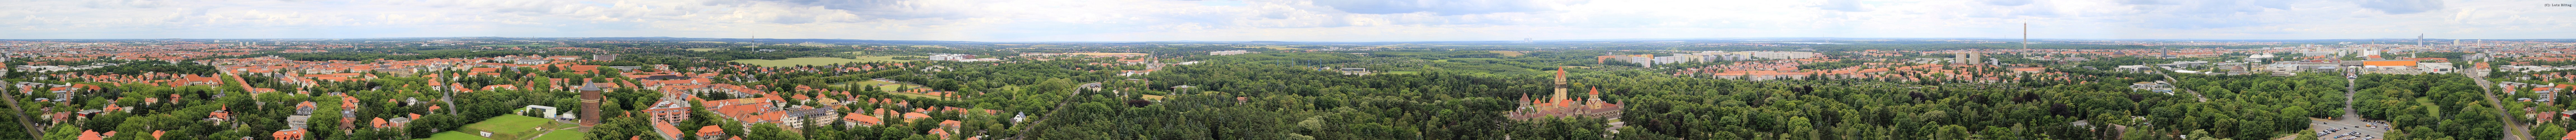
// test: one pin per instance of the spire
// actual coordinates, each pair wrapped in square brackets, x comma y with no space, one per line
[1596,91]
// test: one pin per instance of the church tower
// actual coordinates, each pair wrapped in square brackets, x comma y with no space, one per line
[1560,81]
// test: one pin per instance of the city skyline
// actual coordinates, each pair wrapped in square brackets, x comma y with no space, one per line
[1269,20]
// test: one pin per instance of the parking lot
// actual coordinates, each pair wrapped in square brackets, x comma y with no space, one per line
[2358,128]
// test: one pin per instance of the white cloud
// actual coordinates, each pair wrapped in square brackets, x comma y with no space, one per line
[1289,20]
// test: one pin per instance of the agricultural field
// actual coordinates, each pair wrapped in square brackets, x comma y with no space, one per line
[1510,53]
[816,61]
[706,49]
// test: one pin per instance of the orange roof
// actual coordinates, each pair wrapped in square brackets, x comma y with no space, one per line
[710,129]
[862,119]
[2570,135]
[2389,63]
[89,135]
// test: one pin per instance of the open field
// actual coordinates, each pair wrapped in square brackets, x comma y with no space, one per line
[856,53]
[524,45]
[1274,47]
[889,87]
[815,61]
[564,135]
[1509,53]
[509,127]
[453,135]
[706,49]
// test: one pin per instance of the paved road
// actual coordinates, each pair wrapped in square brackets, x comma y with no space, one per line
[2350,122]
[2178,86]
[2514,129]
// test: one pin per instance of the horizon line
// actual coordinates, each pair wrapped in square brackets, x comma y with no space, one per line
[1319,41]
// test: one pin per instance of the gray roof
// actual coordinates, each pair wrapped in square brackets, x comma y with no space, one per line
[589,86]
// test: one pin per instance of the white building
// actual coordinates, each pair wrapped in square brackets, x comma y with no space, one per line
[2437,68]
[1233,52]
[2134,68]
[952,56]
[531,61]
[1671,59]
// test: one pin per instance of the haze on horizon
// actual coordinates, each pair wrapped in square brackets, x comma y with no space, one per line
[1286,20]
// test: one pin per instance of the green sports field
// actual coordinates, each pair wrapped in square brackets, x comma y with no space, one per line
[505,127]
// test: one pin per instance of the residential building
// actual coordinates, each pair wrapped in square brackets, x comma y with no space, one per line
[952,58]
[1671,59]
[531,61]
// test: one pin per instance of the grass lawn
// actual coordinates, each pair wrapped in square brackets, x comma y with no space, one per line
[453,135]
[508,126]
[1509,53]
[564,135]
[2428,102]
[1403,72]
[813,61]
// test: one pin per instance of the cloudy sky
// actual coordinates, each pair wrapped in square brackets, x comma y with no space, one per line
[1286,20]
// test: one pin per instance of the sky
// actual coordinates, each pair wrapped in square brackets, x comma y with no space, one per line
[1288,20]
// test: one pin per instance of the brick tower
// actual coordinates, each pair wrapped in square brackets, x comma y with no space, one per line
[590,104]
